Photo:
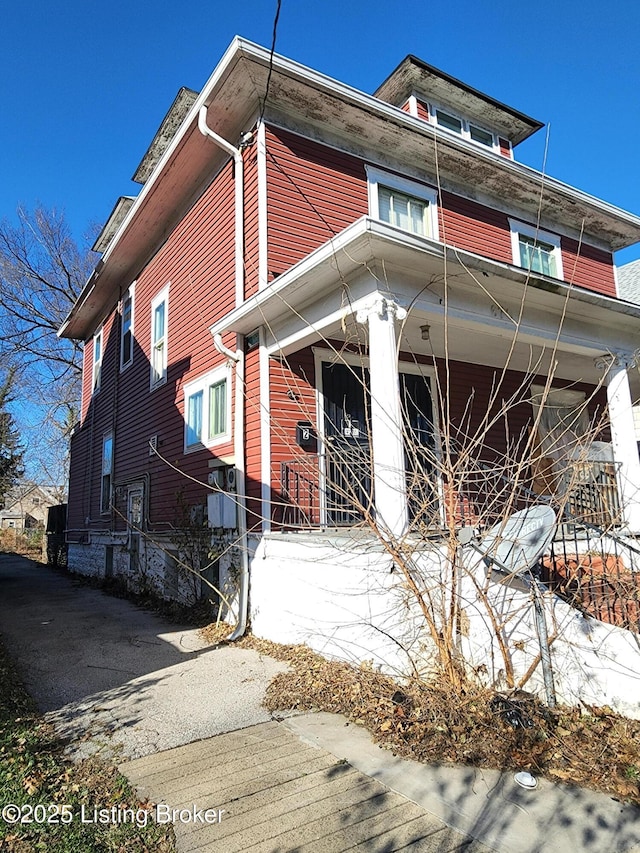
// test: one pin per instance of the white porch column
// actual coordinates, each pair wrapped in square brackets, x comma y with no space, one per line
[390,482]
[623,439]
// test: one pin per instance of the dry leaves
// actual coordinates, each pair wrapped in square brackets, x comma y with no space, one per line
[432,723]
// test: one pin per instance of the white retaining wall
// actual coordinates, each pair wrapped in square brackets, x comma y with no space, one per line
[339,595]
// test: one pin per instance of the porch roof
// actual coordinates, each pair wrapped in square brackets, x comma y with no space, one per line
[368,242]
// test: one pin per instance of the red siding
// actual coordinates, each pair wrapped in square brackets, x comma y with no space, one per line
[313,193]
[293,399]
[252,439]
[251,228]
[198,262]
[505,148]
[587,266]
[474,227]
[423,110]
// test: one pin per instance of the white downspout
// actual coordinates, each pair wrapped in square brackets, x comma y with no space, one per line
[238,359]
[236,153]
[238,449]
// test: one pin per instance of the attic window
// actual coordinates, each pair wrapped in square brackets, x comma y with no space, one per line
[449,121]
[465,128]
[481,136]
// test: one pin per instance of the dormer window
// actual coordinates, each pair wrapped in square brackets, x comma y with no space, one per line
[465,128]
[481,136]
[403,203]
[447,120]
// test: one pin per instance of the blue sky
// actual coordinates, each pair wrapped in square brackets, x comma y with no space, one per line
[84,85]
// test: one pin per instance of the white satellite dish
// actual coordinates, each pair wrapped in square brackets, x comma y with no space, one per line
[515,545]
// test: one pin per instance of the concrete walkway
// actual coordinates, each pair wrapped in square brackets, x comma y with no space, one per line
[187,726]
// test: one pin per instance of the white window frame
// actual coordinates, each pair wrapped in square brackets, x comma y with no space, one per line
[158,377]
[129,295]
[96,363]
[377,178]
[203,385]
[466,125]
[522,228]
[106,475]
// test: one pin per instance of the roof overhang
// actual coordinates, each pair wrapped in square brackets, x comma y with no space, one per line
[318,103]
[413,76]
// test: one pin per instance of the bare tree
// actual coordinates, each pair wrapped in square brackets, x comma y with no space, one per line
[42,272]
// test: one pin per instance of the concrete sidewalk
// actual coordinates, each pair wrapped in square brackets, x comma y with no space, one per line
[316,783]
[268,792]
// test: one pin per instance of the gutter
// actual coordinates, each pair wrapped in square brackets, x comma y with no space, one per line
[237,358]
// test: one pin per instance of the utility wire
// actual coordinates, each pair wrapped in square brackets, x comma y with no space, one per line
[273,48]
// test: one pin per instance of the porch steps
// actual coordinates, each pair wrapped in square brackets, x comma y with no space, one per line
[280,795]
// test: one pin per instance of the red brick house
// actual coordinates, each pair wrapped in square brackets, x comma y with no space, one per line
[294,241]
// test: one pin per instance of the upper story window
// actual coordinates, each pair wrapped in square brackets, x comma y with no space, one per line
[96,372]
[536,250]
[403,203]
[126,329]
[207,411]
[445,119]
[159,335]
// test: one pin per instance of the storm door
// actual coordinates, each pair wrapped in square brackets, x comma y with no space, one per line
[347,431]
[134,527]
[420,449]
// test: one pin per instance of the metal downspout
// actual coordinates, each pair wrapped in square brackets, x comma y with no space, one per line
[238,450]
[236,153]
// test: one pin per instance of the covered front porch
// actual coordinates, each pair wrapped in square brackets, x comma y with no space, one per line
[406,384]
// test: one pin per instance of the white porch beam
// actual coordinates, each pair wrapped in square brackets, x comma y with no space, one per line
[390,483]
[623,439]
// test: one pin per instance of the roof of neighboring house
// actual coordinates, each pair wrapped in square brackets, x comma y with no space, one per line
[49,495]
[629,282]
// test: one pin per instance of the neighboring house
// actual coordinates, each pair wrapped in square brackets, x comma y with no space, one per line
[295,240]
[26,506]
[629,289]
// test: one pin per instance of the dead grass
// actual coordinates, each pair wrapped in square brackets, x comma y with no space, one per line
[595,749]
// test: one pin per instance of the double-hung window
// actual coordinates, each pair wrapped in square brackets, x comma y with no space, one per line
[126,328]
[404,203]
[207,411]
[159,336]
[106,482]
[536,250]
[96,372]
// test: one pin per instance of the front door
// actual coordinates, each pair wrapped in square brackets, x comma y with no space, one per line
[349,489]
[348,458]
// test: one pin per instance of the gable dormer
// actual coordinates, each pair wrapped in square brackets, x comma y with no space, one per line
[436,97]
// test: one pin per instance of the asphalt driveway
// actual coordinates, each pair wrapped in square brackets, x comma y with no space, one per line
[119,680]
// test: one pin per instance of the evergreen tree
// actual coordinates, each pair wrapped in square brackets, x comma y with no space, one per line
[11,454]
